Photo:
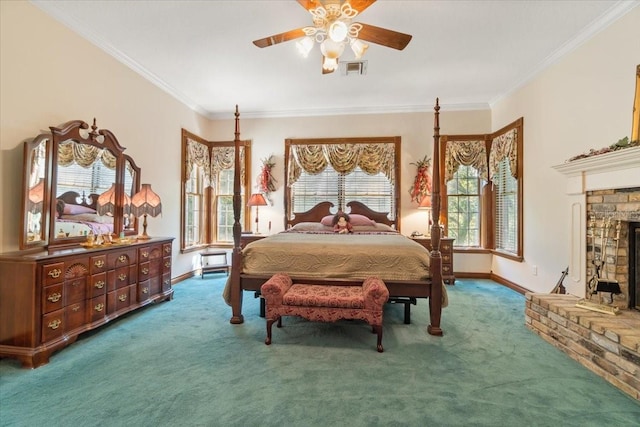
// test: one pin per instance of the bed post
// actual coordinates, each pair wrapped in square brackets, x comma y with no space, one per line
[435,300]
[236,256]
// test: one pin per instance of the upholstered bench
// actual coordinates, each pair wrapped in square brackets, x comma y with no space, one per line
[325,303]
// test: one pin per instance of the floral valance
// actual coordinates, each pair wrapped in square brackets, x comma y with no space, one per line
[504,147]
[84,155]
[344,158]
[466,153]
[211,160]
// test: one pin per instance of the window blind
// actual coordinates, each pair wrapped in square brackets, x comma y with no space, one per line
[506,214]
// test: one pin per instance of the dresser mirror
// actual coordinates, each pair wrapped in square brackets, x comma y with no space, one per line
[91,182]
[35,198]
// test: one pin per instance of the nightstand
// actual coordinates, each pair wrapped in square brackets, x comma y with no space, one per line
[446,250]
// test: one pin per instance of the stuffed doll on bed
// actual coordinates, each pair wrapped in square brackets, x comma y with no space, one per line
[342,224]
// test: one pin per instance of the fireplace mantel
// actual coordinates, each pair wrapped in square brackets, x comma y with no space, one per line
[610,171]
[618,169]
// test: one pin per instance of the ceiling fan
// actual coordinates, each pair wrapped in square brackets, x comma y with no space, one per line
[333,28]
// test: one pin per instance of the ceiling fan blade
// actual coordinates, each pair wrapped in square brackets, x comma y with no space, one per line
[279,38]
[384,37]
[361,5]
[310,4]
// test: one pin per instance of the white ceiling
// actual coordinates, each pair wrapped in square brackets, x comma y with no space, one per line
[467,53]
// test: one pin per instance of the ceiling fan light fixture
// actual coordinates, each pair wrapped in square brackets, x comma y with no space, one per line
[330,64]
[305,45]
[331,49]
[338,31]
[358,47]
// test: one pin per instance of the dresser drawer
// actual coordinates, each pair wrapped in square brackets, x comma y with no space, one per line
[117,278]
[52,298]
[98,264]
[97,308]
[144,271]
[52,325]
[121,258]
[166,264]
[52,273]
[75,290]
[76,315]
[144,291]
[97,284]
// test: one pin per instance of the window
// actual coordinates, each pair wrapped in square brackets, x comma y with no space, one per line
[342,170]
[483,200]
[463,206]
[207,190]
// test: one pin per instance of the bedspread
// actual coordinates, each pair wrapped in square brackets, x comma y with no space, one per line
[390,256]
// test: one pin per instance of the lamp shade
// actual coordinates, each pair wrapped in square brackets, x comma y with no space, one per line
[425,203]
[146,202]
[107,202]
[257,199]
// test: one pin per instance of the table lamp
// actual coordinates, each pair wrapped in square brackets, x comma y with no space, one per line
[146,202]
[425,204]
[257,200]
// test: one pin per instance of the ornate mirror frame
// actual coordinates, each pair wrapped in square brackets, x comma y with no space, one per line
[74,140]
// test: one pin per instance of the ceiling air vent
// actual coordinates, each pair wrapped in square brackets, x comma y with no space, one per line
[353,68]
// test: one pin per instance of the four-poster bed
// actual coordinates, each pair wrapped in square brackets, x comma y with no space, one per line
[411,271]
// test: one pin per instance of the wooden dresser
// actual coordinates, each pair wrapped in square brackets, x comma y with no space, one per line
[446,250]
[48,298]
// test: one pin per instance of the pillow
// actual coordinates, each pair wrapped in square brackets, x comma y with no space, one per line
[354,219]
[70,209]
[375,227]
[311,226]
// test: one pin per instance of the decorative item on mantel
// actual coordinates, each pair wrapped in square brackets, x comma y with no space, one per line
[145,202]
[422,183]
[620,145]
[266,181]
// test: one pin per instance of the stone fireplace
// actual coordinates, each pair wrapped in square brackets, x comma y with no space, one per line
[613,227]
[601,191]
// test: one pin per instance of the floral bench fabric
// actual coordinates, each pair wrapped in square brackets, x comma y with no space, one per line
[325,303]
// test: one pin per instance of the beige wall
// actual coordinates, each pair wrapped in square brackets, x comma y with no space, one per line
[584,101]
[50,75]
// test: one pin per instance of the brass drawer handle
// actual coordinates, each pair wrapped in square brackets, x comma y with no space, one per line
[55,297]
[145,271]
[167,264]
[55,324]
[167,249]
[446,247]
[446,268]
[99,263]
[122,297]
[122,277]
[145,290]
[447,258]
[99,307]
[55,273]
[145,254]
[99,284]
[122,258]
[76,307]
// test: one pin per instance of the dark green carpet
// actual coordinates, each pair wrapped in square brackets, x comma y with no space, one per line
[182,364]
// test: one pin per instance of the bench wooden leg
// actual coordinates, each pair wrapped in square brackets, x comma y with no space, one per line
[378,330]
[270,323]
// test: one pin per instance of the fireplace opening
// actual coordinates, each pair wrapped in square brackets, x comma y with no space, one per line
[634,265]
